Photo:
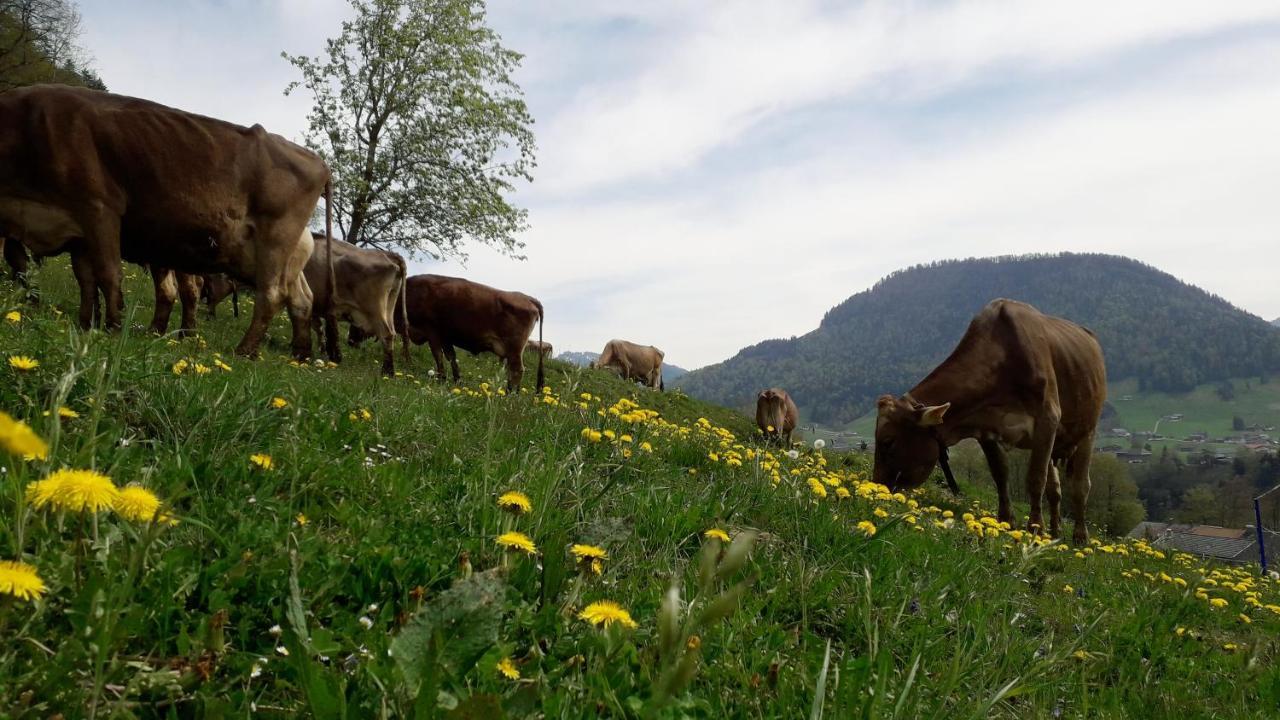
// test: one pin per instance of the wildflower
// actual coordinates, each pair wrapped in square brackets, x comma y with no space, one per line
[1217,603]
[1230,647]
[793,454]
[276,630]
[693,643]
[584,552]
[20,580]
[1079,555]
[180,366]
[625,439]
[221,365]
[1068,589]
[138,504]
[282,650]
[22,363]
[880,513]
[515,502]
[606,613]
[646,447]
[866,527]
[590,435]
[716,534]
[203,369]
[1080,655]
[279,403]
[13,316]
[842,492]
[817,487]
[517,541]
[73,490]
[1246,619]
[1180,631]
[819,444]
[508,669]
[255,671]
[365,622]
[948,514]
[262,460]
[18,438]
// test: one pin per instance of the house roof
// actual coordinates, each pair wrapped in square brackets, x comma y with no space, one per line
[1229,544]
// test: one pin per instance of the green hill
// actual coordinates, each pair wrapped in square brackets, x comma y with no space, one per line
[359,573]
[1164,334]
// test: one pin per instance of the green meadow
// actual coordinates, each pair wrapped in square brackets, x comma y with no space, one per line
[368,569]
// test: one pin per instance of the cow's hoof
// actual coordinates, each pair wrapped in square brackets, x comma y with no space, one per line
[1080,536]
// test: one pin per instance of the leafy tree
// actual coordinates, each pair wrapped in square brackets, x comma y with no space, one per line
[1237,423]
[1199,505]
[422,125]
[39,43]
[1113,497]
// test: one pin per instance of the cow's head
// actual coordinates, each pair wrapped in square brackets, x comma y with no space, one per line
[906,443]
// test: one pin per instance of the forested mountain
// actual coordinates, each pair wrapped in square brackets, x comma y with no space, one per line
[39,43]
[583,358]
[1169,335]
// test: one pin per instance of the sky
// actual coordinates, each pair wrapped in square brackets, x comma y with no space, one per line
[713,174]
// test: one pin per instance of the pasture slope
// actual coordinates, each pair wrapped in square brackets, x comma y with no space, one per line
[360,575]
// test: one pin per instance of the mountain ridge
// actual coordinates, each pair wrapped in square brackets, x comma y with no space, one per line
[1170,335]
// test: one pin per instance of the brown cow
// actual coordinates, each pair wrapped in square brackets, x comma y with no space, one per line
[1018,377]
[369,284]
[449,312]
[538,346]
[776,415]
[215,289]
[106,176]
[633,362]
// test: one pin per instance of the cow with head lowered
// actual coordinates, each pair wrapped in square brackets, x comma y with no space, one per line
[106,177]
[449,312]
[365,289]
[776,415]
[642,363]
[1018,378]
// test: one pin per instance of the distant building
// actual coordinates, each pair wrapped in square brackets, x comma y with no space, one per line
[1230,545]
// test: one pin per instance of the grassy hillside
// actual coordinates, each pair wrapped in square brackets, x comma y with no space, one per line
[361,575]
[1167,334]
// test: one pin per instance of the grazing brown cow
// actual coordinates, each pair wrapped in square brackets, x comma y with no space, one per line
[1018,377]
[369,284]
[449,312]
[538,346]
[106,176]
[633,362]
[776,415]
[215,289]
[169,286]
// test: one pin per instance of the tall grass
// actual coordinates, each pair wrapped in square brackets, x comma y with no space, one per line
[360,575]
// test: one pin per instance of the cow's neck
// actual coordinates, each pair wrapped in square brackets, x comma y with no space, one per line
[966,391]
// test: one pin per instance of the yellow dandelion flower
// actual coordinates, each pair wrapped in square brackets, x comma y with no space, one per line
[262,461]
[1068,589]
[279,403]
[646,447]
[221,365]
[74,491]
[68,413]
[1217,603]
[605,613]
[515,502]
[816,486]
[842,492]
[20,580]
[880,513]
[17,438]
[203,369]
[716,534]
[1246,619]
[13,316]
[1230,647]
[180,366]
[137,503]
[517,541]
[508,669]
[1080,655]
[589,552]
[866,527]
[301,520]
[22,363]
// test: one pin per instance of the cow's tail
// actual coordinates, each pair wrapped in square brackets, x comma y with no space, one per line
[235,299]
[541,376]
[402,304]
[328,248]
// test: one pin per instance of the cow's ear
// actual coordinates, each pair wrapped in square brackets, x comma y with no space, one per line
[885,404]
[933,414]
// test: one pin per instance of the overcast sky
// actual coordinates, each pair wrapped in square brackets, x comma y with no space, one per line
[711,174]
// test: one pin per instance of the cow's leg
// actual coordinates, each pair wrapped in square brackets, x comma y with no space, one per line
[387,337]
[1053,494]
[82,268]
[999,465]
[437,353]
[331,336]
[102,243]
[1078,477]
[515,371]
[189,290]
[16,255]
[166,287]
[299,302]
[1038,467]
[452,353]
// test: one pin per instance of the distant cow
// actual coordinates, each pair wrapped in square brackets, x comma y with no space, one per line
[542,348]
[448,312]
[369,285]
[1018,377]
[106,176]
[216,288]
[633,362]
[776,415]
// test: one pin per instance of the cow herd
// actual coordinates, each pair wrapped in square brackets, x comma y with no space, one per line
[211,207]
